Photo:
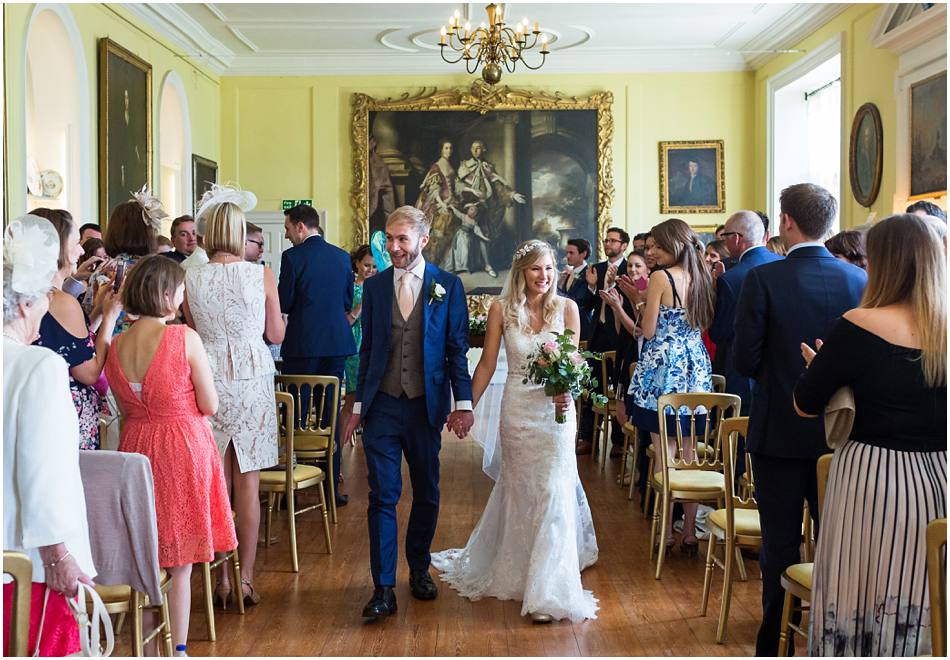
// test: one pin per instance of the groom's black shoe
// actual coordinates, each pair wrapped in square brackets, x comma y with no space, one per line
[422,586]
[381,605]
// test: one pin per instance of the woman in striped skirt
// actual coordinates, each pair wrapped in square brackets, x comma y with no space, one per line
[869,594]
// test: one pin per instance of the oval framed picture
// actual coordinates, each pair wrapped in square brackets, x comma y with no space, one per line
[866,155]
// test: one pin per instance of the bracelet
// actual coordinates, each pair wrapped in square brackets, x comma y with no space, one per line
[52,564]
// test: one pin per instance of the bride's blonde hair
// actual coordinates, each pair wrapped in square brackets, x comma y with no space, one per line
[513,300]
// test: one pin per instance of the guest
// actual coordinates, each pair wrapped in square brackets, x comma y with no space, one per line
[648,252]
[745,239]
[776,245]
[316,292]
[93,248]
[89,230]
[65,331]
[716,253]
[254,244]
[233,304]
[164,244]
[364,267]
[572,282]
[632,286]
[165,388]
[184,238]
[890,478]
[766,224]
[199,257]
[44,508]
[848,246]
[718,232]
[923,207]
[781,305]
[603,336]
[640,241]
[679,304]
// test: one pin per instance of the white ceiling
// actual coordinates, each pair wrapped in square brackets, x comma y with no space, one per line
[354,38]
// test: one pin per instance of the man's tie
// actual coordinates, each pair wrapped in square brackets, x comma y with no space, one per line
[405,295]
[570,281]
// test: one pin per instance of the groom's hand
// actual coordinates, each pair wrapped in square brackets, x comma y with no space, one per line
[460,422]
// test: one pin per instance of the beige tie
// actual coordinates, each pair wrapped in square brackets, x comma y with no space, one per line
[405,295]
[570,281]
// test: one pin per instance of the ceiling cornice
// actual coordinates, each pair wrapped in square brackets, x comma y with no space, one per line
[912,33]
[800,22]
[173,23]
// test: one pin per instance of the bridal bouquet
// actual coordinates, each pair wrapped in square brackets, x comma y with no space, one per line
[561,368]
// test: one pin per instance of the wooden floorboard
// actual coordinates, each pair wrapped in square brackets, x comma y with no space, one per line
[317,611]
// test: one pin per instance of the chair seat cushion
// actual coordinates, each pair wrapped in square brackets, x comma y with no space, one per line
[747,521]
[114,593]
[310,442]
[801,573]
[301,473]
[692,480]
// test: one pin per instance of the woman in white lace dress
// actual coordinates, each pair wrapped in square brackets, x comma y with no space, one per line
[233,304]
[536,534]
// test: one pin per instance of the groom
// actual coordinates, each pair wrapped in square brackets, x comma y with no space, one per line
[415,340]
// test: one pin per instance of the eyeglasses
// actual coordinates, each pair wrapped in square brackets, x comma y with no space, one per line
[612,240]
[726,234]
[259,244]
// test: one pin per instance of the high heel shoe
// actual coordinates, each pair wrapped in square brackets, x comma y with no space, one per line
[251,597]
[222,598]
[669,548]
[690,548]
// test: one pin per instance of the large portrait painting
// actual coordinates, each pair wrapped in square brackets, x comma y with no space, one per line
[928,137]
[866,155]
[490,167]
[125,125]
[204,173]
[692,177]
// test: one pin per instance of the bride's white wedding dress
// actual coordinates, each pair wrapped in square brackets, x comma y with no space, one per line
[536,534]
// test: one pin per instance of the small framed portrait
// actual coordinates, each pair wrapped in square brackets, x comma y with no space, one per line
[204,172]
[928,137]
[125,125]
[866,155]
[692,177]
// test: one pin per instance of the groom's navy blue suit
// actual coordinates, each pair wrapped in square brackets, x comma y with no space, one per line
[410,426]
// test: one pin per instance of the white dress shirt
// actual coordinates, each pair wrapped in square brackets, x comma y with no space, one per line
[416,273]
[805,244]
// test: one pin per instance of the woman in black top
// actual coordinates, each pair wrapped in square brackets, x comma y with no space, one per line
[869,594]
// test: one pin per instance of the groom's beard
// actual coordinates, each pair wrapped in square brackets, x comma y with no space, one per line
[410,258]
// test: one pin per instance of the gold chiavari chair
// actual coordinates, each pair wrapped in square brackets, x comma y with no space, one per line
[718,384]
[937,581]
[736,526]
[631,442]
[317,406]
[603,415]
[690,466]
[18,566]
[122,599]
[797,578]
[234,560]
[290,479]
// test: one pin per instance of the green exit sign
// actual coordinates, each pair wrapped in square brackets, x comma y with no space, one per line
[288,204]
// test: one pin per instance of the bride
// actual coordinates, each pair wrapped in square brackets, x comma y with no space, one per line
[536,534]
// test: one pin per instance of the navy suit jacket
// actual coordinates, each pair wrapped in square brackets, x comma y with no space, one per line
[445,346]
[722,331]
[578,293]
[316,292]
[603,336]
[783,304]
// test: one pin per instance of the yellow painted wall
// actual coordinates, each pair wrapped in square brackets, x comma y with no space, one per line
[867,75]
[95,21]
[290,137]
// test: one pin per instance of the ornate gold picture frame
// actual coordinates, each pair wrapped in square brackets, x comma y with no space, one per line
[478,100]
[125,125]
[692,177]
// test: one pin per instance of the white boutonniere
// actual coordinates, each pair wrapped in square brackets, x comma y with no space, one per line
[436,293]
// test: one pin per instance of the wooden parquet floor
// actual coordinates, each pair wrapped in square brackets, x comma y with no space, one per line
[317,611]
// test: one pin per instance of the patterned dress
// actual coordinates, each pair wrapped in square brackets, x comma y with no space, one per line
[353,361]
[673,360]
[75,350]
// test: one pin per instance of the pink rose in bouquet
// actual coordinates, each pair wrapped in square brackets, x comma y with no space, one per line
[561,368]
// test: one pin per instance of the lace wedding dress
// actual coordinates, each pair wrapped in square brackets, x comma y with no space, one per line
[536,534]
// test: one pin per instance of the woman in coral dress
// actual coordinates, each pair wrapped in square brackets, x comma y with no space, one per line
[164,387]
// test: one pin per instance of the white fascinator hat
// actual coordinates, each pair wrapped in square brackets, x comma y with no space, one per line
[31,251]
[222,194]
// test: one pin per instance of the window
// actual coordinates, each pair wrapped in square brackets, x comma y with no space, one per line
[174,150]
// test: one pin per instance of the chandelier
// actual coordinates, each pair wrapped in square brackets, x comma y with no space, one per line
[493,45]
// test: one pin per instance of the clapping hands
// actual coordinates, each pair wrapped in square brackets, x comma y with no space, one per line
[460,422]
[809,354]
[629,288]
[611,297]
[591,275]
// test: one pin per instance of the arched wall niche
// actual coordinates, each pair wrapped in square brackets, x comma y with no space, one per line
[57,106]
[174,149]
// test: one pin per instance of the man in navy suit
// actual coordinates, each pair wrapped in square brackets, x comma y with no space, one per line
[572,283]
[744,235]
[316,292]
[782,305]
[415,340]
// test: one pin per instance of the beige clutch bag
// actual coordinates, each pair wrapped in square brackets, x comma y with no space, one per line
[839,417]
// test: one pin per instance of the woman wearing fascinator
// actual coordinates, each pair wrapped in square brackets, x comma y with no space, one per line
[233,304]
[44,508]
[536,534]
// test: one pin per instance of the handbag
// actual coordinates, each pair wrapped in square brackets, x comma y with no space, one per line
[89,623]
[839,417]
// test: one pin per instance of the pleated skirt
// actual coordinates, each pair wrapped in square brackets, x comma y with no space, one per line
[870,594]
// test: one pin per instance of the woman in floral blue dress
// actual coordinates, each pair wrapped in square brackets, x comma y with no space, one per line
[678,305]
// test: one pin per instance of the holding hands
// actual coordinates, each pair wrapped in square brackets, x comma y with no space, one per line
[460,422]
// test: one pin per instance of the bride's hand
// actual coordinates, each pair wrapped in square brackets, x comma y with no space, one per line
[563,402]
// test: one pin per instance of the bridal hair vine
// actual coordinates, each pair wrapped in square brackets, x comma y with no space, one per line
[152,211]
[526,249]
[226,193]
[31,247]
